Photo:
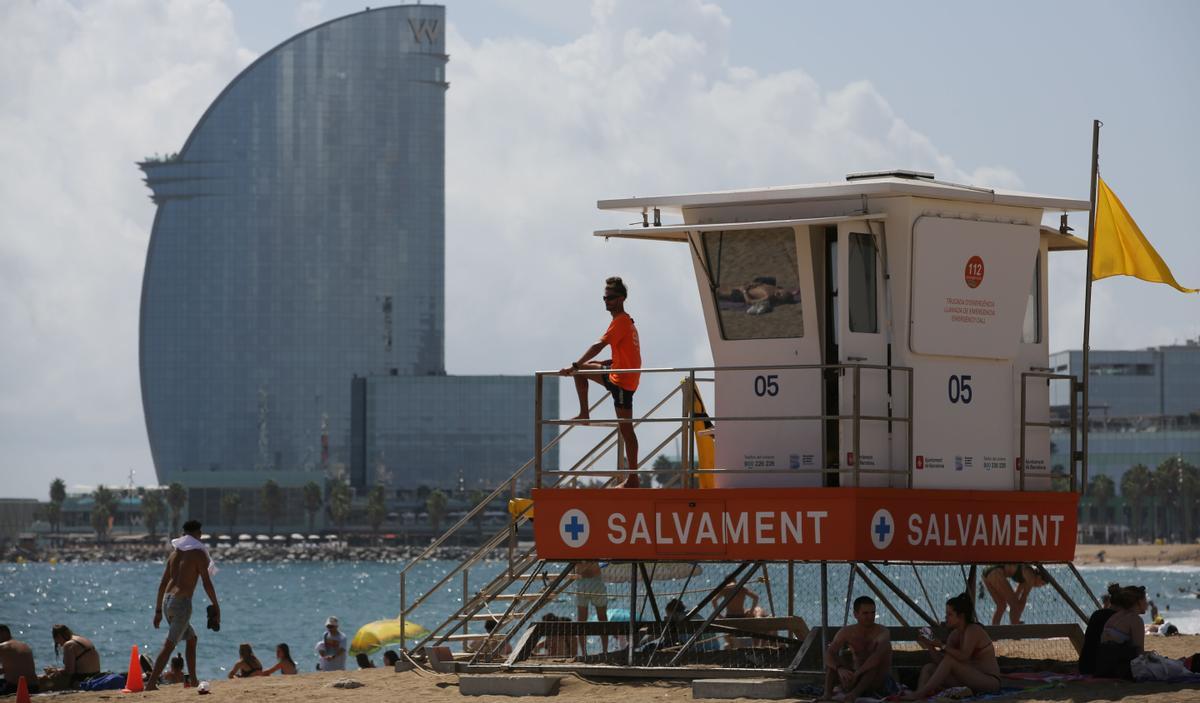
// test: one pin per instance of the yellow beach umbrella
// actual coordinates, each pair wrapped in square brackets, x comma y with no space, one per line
[374,636]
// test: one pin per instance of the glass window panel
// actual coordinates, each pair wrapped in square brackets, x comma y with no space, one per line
[1031,330]
[756,283]
[864,305]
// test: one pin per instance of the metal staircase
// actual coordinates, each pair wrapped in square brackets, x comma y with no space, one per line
[524,585]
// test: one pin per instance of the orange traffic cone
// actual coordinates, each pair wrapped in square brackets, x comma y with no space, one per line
[133,680]
[22,691]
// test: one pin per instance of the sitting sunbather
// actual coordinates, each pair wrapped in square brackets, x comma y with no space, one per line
[966,658]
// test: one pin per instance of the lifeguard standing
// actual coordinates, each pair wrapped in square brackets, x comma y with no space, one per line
[622,337]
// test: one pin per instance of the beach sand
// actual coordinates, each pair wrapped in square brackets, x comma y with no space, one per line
[1141,554]
[384,684]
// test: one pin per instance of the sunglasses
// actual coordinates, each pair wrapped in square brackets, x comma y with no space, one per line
[612,296]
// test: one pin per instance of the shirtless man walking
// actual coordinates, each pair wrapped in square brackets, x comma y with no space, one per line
[869,662]
[187,563]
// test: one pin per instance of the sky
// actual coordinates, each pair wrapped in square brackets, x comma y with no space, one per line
[553,105]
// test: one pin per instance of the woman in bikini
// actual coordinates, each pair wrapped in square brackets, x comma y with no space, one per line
[967,658]
[80,659]
[1124,634]
[284,665]
[1025,577]
[247,664]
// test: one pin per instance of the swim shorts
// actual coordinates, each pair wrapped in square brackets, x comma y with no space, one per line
[591,591]
[622,397]
[178,612]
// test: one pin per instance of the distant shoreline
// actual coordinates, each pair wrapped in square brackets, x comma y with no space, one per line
[1138,555]
[1115,555]
[238,553]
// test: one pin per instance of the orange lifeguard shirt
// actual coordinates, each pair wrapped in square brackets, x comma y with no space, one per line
[622,337]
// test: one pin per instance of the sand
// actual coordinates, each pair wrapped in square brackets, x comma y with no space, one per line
[425,686]
[1139,554]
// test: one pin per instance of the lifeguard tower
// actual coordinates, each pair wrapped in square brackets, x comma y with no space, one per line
[878,403]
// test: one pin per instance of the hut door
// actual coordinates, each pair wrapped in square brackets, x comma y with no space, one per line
[861,340]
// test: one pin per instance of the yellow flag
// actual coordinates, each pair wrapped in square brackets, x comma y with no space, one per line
[1121,249]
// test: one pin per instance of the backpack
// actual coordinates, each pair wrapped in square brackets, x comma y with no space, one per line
[1152,666]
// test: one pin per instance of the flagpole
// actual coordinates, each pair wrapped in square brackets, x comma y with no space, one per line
[1087,303]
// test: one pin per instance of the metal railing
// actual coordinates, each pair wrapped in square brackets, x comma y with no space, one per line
[521,560]
[518,560]
[688,419]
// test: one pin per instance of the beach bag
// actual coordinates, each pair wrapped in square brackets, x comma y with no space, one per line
[1152,666]
[104,682]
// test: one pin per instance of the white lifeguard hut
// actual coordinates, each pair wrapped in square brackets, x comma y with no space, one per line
[882,270]
[881,403]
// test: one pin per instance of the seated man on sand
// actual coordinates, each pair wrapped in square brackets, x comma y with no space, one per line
[16,658]
[866,668]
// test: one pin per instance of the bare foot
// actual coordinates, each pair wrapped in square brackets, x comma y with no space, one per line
[581,418]
[631,482]
[150,686]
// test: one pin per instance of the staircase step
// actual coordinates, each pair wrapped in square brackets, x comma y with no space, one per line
[461,637]
[517,596]
[487,616]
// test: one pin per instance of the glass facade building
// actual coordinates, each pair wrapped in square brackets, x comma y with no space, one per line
[414,425]
[1145,407]
[298,244]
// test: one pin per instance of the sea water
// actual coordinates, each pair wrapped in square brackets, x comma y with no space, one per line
[267,603]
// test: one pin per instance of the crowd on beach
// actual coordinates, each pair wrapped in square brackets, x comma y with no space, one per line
[82,669]
[858,661]
[187,566]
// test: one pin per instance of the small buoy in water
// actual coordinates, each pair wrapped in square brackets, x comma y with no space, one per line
[53,561]
[20,560]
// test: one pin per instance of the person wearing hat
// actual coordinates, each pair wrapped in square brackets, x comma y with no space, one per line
[331,650]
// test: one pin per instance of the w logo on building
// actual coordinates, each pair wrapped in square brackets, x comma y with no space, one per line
[429,29]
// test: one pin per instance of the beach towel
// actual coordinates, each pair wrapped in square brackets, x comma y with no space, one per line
[104,682]
[187,543]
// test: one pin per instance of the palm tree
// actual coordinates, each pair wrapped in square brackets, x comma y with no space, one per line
[176,498]
[1102,490]
[58,495]
[100,517]
[53,515]
[1166,494]
[312,501]
[435,505]
[107,499]
[230,502]
[152,511]
[1136,486]
[339,503]
[1189,492]
[376,508]
[272,501]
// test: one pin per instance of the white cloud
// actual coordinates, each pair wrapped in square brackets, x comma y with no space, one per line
[647,100]
[536,133]
[89,89]
[309,13]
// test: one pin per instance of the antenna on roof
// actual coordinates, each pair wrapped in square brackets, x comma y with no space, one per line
[897,173]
